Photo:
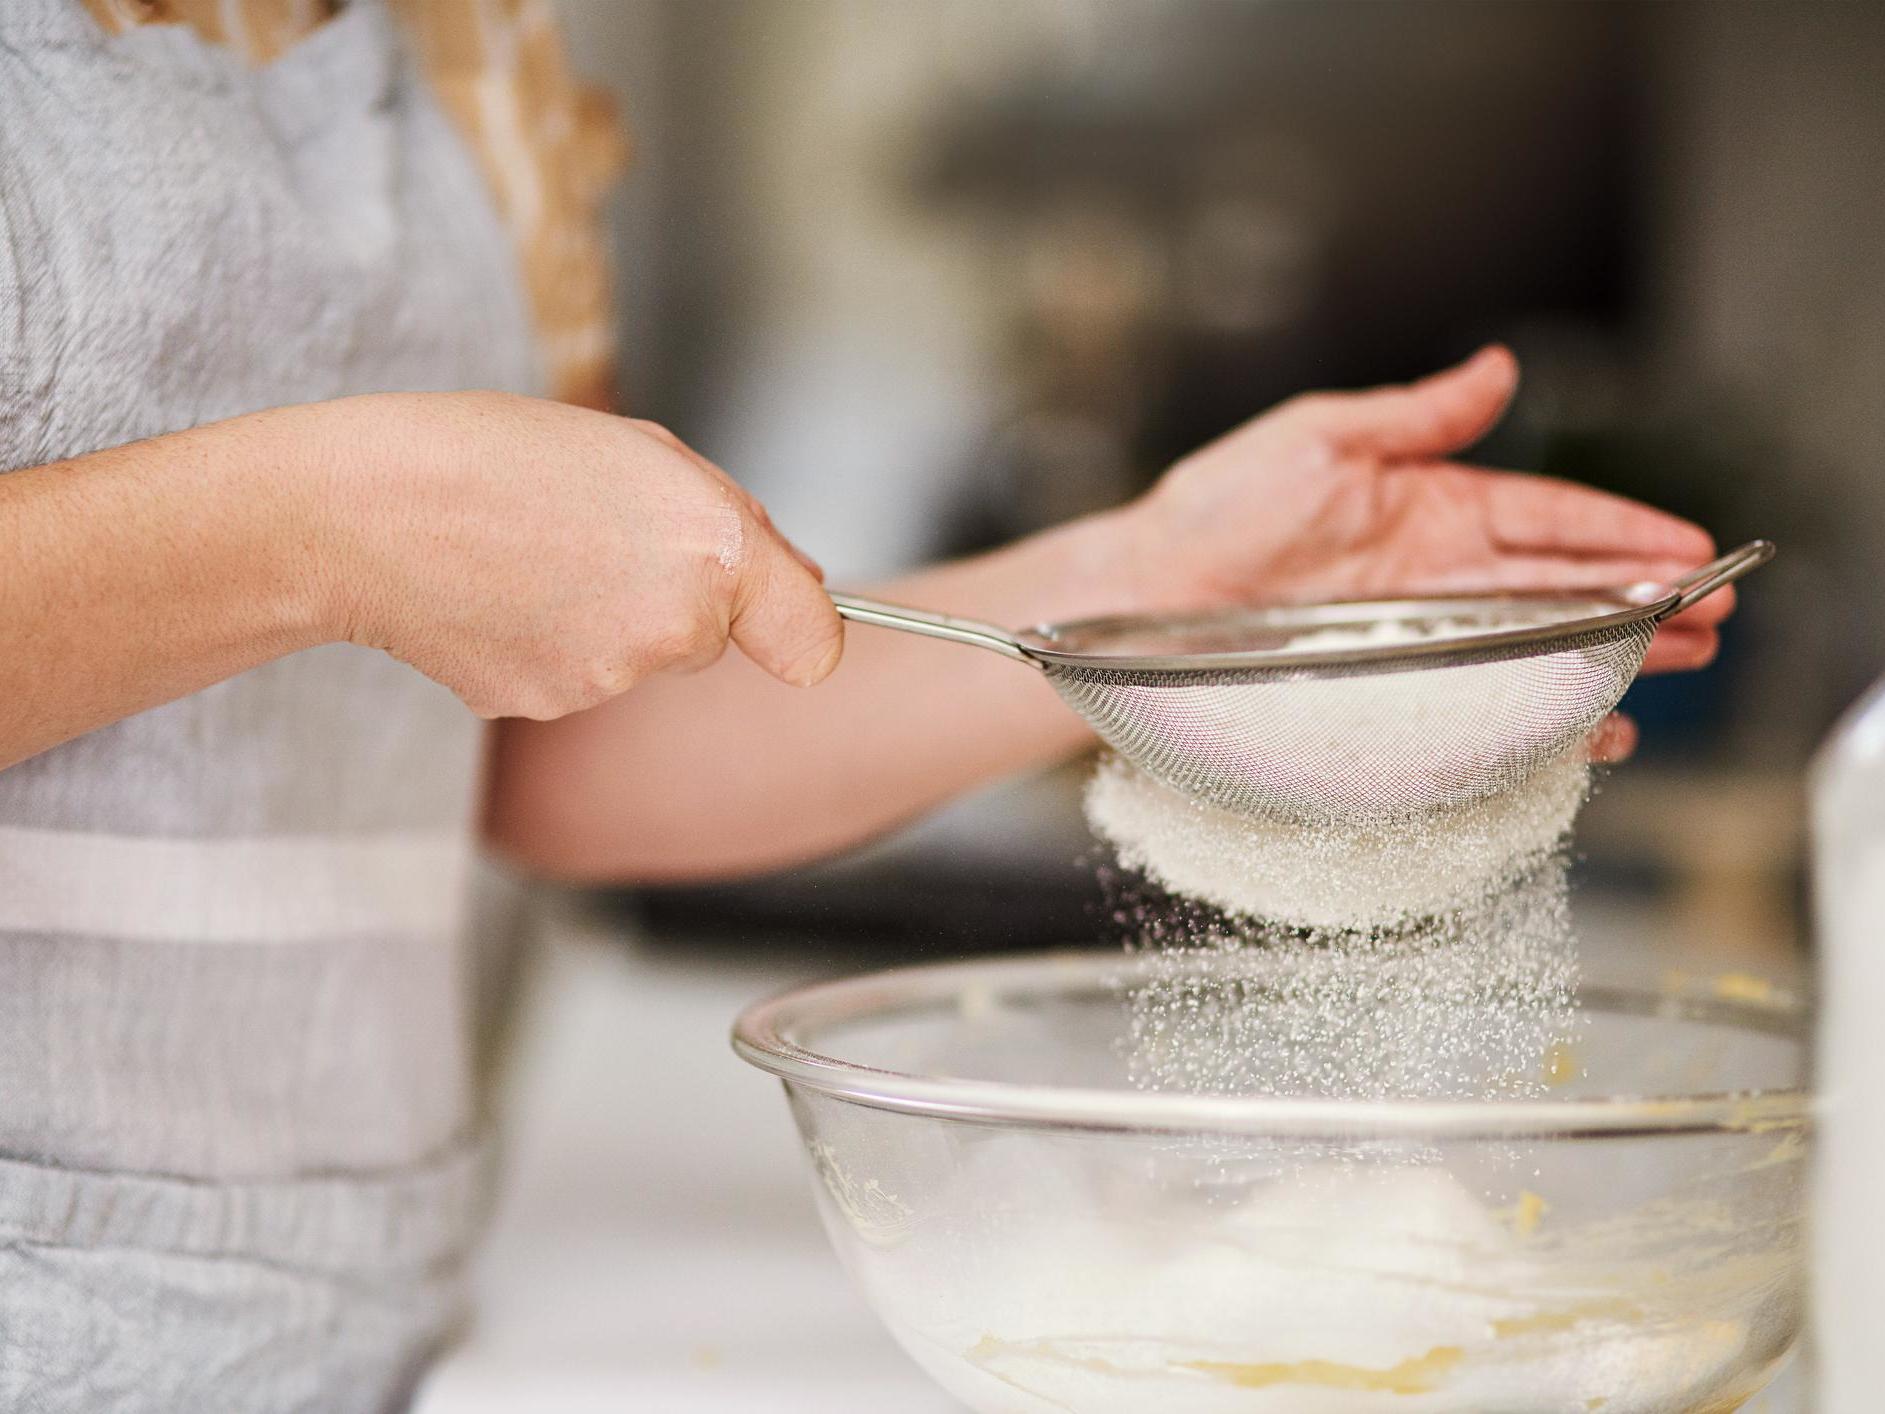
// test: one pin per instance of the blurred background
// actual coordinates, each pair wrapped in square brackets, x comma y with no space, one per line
[932,276]
[929,276]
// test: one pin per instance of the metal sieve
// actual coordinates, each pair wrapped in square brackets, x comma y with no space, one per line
[1444,701]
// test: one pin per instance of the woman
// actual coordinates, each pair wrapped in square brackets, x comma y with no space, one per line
[262,552]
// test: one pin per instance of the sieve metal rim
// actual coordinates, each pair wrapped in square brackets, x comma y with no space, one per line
[1255,665]
[1043,646]
[764,1036]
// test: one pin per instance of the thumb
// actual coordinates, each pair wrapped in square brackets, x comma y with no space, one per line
[1433,417]
[782,617]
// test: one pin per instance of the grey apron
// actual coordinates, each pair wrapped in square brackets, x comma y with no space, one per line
[239,1153]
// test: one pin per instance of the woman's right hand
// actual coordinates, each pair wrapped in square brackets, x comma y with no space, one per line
[538,559]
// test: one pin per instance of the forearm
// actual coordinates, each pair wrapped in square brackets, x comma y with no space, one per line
[137,575]
[531,557]
[726,772]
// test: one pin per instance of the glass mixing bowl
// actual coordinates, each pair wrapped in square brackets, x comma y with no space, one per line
[1043,1237]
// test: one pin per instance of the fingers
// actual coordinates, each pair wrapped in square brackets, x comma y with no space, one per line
[1706,613]
[1676,650]
[1545,515]
[812,567]
[1488,530]
[1471,571]
[1550,533]
[1689,640]
[714,469]
[1431,418]
[1614,739]
[782,618]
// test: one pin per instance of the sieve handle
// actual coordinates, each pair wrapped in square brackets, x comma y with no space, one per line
[1711,576]
[978,635]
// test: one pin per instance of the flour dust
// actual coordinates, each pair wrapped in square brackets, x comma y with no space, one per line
[1429,959]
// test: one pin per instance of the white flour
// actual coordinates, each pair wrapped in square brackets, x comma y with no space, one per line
[1336,1290]
[1332,876]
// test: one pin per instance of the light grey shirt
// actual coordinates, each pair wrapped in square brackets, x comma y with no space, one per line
[239,1163]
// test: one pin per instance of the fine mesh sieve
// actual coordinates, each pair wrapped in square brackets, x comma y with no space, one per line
[1427,703]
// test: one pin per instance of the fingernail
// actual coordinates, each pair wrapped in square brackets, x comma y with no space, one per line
[826,665]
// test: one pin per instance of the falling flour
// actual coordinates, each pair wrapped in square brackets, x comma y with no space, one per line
[1469,1004]
[1425,956]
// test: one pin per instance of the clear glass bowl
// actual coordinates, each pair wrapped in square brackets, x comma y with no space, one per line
[1043,1237]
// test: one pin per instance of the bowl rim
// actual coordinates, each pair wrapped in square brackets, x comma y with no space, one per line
[764,1036]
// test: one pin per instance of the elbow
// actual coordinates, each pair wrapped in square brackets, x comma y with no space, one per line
[548,819]
[526,831]
[547,861]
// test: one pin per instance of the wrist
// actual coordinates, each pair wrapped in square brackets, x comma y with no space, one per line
[311,523]
[1105,567]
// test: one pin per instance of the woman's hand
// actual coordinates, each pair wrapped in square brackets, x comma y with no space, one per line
[1355,495]
[539,559]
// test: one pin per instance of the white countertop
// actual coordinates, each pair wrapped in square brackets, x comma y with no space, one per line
[656,1246]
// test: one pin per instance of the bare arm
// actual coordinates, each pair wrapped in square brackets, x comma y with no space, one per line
[1331,496]
[724,772]
[137,575]
[535,558]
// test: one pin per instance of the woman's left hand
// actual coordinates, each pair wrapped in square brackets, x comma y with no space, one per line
[1357,495]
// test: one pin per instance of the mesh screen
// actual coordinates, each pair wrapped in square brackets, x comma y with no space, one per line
[1379,744]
